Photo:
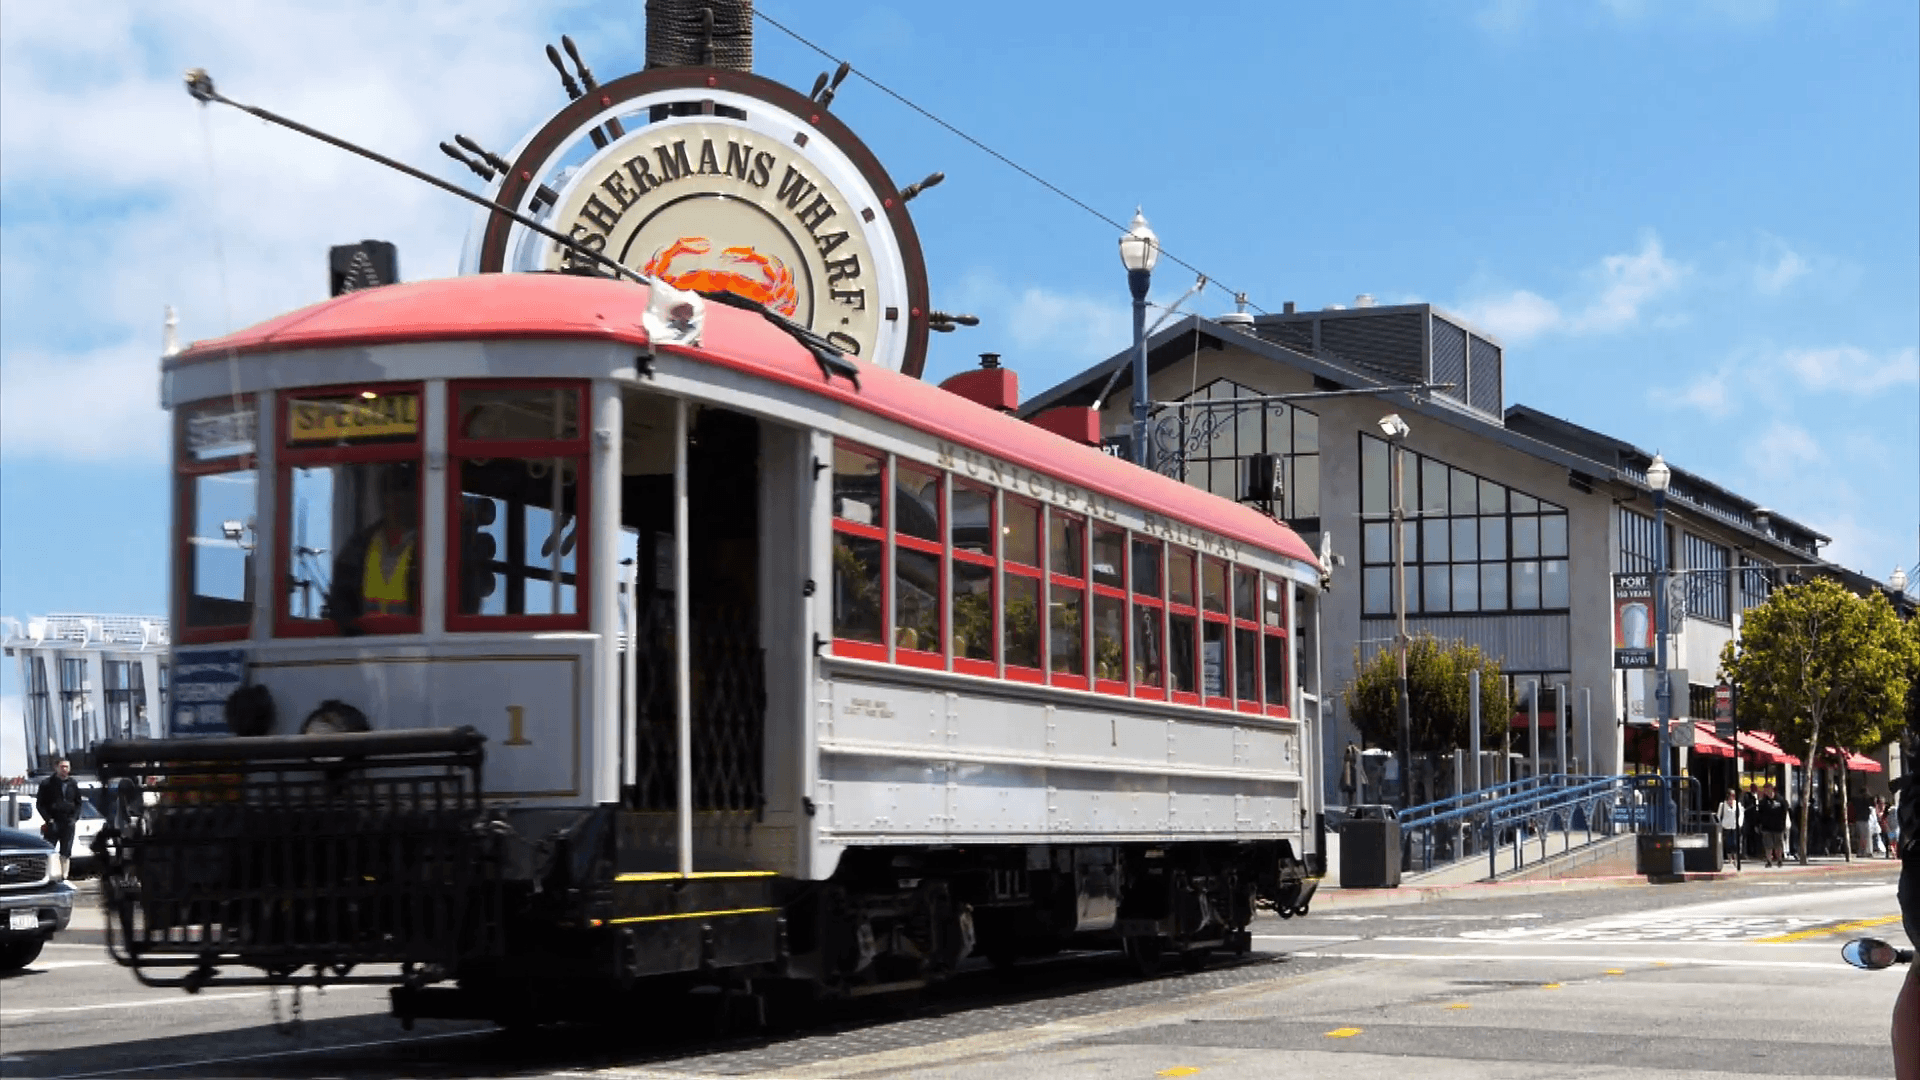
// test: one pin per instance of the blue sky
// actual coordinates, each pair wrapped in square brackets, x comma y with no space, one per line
[1695,223]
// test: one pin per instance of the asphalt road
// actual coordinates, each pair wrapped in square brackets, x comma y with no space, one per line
[1720,978]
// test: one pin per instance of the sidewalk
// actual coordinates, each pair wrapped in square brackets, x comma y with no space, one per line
[1339,899]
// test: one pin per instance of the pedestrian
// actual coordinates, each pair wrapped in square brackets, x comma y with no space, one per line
[58,802]
[1860,817]
[1876,840]
[1731,816]
[1771,813]
[1890,828]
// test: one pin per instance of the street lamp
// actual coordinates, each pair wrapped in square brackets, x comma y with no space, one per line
[1897,581]
[1658,477]
[1139,250]
[1396,431]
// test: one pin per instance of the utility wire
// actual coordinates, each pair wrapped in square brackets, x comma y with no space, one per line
[997,155]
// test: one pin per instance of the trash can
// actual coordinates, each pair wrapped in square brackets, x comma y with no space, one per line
[1702,851]
[1655,854]
[1370,849]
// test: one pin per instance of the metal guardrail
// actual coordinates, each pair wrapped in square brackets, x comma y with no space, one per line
[1512,815]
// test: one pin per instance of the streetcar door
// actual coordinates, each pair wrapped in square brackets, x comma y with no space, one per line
[727,567]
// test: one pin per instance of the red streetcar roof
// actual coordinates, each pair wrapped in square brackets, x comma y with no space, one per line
[565,306]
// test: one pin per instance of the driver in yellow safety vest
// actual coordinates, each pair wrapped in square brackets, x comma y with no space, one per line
[378,572]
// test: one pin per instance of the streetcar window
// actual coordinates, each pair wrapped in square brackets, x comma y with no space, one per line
[1109,549]
[518,537]
[515,412]
[972,519]
[1023,621]
[218,563]
[1020,535]
[350,508]
[856,486]
[1276,604]
[1146,568]
[1213,585]
[1066,625]
[1066,544]
[1180,575]
[1246,594]
[1276,650]
[1213,658]
[1180,655]
[972,611]
[856,588]
[1109,637]
[916,561]
[353,546]
[216,497]
[517,555]
[1148,628]
[916,503]
[1246,658]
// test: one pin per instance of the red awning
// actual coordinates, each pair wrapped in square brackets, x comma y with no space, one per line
[1766,749]
[1706,742]
[1855,762]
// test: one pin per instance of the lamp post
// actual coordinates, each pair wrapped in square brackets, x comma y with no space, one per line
[1139,250]
[1658,477]
[1897,581]
[1396,431]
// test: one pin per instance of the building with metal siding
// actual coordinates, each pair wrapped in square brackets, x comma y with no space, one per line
[1509,474]
[85,679]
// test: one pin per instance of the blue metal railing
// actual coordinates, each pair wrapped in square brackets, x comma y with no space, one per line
[1491,818]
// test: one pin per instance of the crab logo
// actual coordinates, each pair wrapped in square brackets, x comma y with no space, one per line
[741,271]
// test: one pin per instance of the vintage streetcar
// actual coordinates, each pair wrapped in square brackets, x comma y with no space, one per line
[541,635]
[559,656]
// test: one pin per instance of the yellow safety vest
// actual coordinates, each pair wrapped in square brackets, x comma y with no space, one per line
[386,594]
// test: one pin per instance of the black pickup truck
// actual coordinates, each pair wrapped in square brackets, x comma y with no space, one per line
[33,906]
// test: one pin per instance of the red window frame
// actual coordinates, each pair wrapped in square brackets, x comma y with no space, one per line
[185,471]
[1235,575]
[460,448]
[291,458]
[1034,574]
[936,658]
[1155,604]
[1109,686]
[1222,618]
[965,665]
[1280,630]
[870,650]
[1191,611]
[1058,581]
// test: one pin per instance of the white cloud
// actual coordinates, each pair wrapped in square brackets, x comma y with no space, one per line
[1617,291]
[1781,450]
[210,210]
[1628,283]
[1517,317]
[1774,276]
[1847,369]
[1045,334]
[1707,393]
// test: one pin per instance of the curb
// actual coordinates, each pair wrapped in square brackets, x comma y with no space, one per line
[1337,898]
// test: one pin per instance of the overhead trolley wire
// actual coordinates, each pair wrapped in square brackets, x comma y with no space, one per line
[990,151]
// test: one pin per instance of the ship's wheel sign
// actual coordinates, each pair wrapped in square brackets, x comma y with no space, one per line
[740,185]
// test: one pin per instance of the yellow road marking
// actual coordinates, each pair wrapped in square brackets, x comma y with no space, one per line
[1343,1033]
[1616,971]
[1550,986]
[1178,1070]
[1460,1005]
[1827,931]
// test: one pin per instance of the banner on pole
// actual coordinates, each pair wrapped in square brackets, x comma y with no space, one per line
[1633,620]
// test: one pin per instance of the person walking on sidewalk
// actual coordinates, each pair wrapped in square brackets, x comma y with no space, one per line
[1772,815]
[58,802]
[1731,816]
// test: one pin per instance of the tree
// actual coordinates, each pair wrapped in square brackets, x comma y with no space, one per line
[1818,666]
[1438,694]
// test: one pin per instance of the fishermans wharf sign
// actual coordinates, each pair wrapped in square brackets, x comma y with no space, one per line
[743,186]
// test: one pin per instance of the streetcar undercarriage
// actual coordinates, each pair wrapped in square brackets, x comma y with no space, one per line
[367,858]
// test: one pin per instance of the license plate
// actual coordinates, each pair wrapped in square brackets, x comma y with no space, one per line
[23,920]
